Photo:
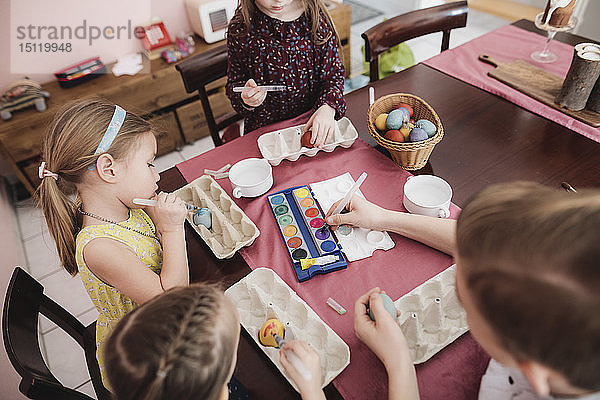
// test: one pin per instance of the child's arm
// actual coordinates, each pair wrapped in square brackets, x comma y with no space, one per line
[309,390]
[439,233]
[385,338]
[331,74]
[169,217]
[116,264]
[330,105]
[237,73]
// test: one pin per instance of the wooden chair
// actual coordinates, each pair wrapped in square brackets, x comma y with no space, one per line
[24,301]
[394,31]
[197,72]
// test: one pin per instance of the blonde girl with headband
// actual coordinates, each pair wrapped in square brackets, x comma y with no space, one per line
[183,345]
[125,255]
[290,43]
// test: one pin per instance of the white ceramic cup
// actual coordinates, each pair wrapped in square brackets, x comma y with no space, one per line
[427,195]
[251,177]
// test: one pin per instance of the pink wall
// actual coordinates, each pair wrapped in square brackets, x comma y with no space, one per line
[172,12]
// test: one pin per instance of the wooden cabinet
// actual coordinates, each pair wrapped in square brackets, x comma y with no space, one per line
[156,93]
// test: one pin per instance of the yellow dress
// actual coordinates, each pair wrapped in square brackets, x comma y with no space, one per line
[111,304]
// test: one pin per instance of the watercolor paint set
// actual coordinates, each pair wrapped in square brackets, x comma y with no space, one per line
[312,247]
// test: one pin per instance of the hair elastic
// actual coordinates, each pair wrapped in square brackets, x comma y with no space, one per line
[111,132]
[43,172]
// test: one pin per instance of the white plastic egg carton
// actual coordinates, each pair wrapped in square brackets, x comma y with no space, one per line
[357,243]
[231,228]
[285,144]
[262,295]
[431,316]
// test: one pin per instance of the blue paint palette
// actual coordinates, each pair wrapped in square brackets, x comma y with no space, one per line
[302,226]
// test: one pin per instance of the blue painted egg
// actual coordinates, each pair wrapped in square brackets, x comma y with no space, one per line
[203,217]
[417,135]
[395,118]
[389,307]
[427,126]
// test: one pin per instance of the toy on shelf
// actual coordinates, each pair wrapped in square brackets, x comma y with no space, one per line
[80,72]
[22,94]
[312,247]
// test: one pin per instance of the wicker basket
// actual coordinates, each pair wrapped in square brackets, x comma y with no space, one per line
[410,156]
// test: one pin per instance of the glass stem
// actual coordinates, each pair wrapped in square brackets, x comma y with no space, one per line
[546,50]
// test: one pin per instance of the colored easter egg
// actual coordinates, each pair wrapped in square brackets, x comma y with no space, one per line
[389,306]
[380,121]
[427,126]
[394,135]
[270,327]
[396,118]
[305,140]
[417,135]
[203,217]
[408,107]
[406,131]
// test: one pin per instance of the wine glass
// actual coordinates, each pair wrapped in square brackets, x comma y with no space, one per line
[545,55]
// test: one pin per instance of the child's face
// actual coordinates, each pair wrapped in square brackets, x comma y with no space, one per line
[479,327]
[276,8]
[139,175]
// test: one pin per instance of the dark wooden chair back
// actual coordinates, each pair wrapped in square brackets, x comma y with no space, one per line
[394,31]
[24,301]
[197,72]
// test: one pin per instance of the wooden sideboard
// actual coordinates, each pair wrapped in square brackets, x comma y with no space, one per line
[157,93]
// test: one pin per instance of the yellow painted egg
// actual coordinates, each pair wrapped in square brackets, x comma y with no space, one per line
[270,327]
[380,121]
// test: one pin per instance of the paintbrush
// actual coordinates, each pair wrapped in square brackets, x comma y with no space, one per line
[346,199]
[152,203]
[294,360]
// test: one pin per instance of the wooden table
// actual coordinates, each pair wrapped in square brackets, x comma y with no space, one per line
[487,140]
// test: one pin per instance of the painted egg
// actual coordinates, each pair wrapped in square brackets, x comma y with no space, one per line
[427,126]
[380,121]
[417,135]
[394,135]
[305,140]
[406,131]
[389,307]
[396,118]
[203,217]
[408,107]
[270,327]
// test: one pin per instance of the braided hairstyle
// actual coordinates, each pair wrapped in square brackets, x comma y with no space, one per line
[180,345]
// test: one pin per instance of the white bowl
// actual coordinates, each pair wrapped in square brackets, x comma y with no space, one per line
[427,195]
[251,177]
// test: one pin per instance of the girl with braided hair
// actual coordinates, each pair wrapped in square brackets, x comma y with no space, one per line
[183,345]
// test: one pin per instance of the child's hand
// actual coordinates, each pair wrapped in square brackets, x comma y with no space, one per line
[308,389]
[322,124]
[383,336]
[169,212]
[253,97]
[361,213]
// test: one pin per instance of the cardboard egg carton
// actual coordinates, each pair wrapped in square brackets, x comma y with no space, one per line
[357,243]
[431,316]
[262,295]
[285,144]
[231,228]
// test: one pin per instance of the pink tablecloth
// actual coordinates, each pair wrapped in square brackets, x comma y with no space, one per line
[505,44]
[454,373]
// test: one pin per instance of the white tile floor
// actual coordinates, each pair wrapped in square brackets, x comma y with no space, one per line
[63,355]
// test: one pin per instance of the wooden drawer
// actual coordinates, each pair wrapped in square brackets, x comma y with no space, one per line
[192,119]
[168,137]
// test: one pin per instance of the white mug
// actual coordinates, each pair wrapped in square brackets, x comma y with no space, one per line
[427,195]
[251,177]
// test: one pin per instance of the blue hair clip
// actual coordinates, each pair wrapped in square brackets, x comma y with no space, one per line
[111,132]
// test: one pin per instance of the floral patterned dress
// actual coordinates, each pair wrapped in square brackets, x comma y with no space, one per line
[111,304]
[278,52]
